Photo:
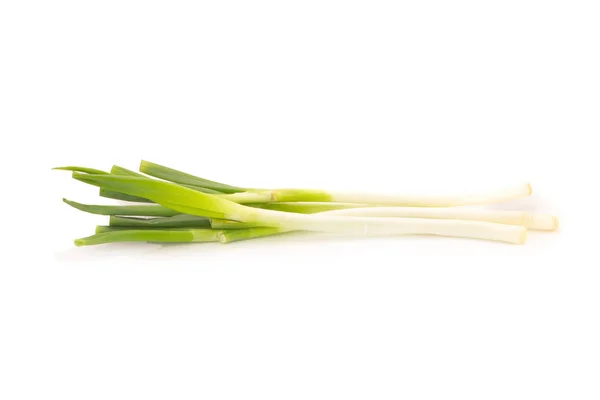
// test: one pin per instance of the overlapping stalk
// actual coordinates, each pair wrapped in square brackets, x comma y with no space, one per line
[188,208]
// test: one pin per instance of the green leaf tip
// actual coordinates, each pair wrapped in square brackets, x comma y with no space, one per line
[81,169]
[71,203]
[149,210]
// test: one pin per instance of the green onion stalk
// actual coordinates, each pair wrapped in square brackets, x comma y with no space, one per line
[191,202]
[179,207]
[260,196]
[104,236]
[310,195]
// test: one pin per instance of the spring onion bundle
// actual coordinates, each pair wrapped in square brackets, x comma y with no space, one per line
[173,206]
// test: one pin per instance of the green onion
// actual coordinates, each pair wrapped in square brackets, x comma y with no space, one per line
[234,231]
[188,208]
[177,221]
[529,220]
[116,170]
[107,228]
[81,169]
[188,201]
[150,210]
[103,192]
[238,197]
[147,235]
[110,194]
[169,174]
[223,236]
[310,195]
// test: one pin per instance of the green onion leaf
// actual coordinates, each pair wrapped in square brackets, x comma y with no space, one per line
[177,221]
[139,210]
[148,235]
[169,174]
[170,195]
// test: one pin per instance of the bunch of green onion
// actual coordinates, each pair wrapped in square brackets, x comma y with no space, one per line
[167,205]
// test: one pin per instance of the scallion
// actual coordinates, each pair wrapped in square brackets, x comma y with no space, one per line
[188,208]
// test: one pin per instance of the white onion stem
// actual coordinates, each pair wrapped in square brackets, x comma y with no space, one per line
[375,226]
[526,219]
[497,196]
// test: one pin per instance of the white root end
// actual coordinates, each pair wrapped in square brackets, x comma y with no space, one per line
[540,222]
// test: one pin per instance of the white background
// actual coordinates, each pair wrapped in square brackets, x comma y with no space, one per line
[376,96]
